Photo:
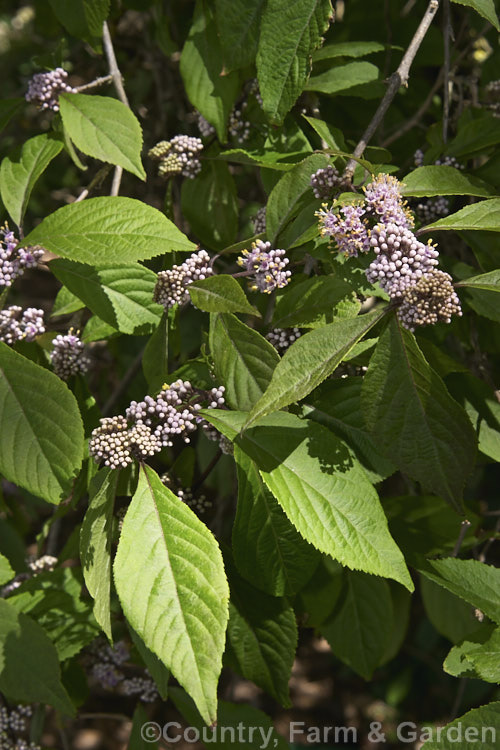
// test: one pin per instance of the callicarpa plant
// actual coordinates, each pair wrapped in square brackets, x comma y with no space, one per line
[249,374]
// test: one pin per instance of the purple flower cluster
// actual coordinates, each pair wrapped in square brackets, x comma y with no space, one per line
[17,324]
[15,260]
[106,665]
[282,338]
[347,227]
[324,180]
[171,286]
[68,356]
[152,424]
[383,201]
[266,266]
[44,89]
[179,155]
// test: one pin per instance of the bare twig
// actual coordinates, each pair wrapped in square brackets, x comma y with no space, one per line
[93,84]
[95,182]
[213,463]
[447,33]
[399,78]
[464,527]
[116,76]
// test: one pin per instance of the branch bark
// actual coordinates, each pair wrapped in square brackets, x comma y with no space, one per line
[117,77]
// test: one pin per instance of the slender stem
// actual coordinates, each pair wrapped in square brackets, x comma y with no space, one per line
[399,78]
[464,527]
[93,84]
[447,33]
[117,178]
[485,550]
[117,79]
[97,180]
[123,384]
[211,466]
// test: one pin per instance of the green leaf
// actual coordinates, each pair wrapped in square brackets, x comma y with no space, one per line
[414,419]
[170,580]
[485,8]
[479,725]
[343,77]
[267,549]
[322,489]
[210,205]
[9,108]
[336,404]
[475,582]
[210,92]
[139,738]
[289,33]
[262,635]
[315,302]
[346,49]
[104,128]
[360,628]
[121,294]
[157,670]
[18,177]
[42,439]
[83,18]
[488,281]
[286,194]
[29,667]
[96,537]
[120,229]
[477,134]
[479,653]
[238,24]
[441,180]
[6,572]
[482,215]
[155,357]
[244,360]
[451,616]
[66,303]
[310,360]
[332,136]
[220,293]
[482,291]
[97,330]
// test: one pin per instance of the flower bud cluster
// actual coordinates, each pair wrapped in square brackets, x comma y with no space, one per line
[282,338]
[266,266]
[17,324]
[215,436]
[254,89]
[15,260]
[198,503]
[383,201]
[431,209]
[171,286]
[107,666]
[259,221]
[42,564]
[44,89]
[446,161]
[205,128]
[152,424]
[347,227]
[13,724]
[68,356]
[325,180]
[144,687]
[179,155]
[239,129]
[430,300]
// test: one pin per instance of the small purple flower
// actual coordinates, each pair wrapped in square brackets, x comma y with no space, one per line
[266,266]
[13,260]
[324,180]
[347,228]
[18,325]
[383,200]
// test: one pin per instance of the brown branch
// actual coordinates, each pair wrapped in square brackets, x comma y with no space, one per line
[447,33]
[399,78]
[464,527]
[93,84]
[117,78]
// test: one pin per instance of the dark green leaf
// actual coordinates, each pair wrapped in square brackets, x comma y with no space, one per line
[238,23]
[343,77]
[155,357]
[479,725]
[210,205]
[315,302]
[347,49]
[482,215]
[9,108]
[442,180]
[220,293]
[485,8]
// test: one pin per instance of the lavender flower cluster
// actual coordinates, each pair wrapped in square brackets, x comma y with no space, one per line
[179,155]
[14,260]
[171,286]
[106,665]
[13,724]
[152,424]
[44,89]
[68,356]
[266,266]
[325,180]
[282,338]
[17,324]
[347,227]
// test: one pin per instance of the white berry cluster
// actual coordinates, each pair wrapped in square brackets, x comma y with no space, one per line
[259,221]
[171,286]
[253,89]
[215,436]
[198,503]
[179,155]
[205,128]
[13,724]
[430,300]
[431,209]
[446,161]
[282,338]
[14,260]
[266,266]
[44,89]
[325,180]
[42,564]
[68,356]
[17,324]
[144,687]
[152,424]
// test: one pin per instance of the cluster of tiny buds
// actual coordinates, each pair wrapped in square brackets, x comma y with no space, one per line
[325,180]
[144,687]
[179,155]
[266,266]
[44,89]
[282,338]
[383,201]
[171,285]
[17,324]
[259,221]
[215,436]
[431,209]
[151,424]
[68,356]
[446,161]
[198,503]
[430,300]
[106,665]
[493,89]
[12,724]
[239,129]
[347,227]
[35,566]
[205,128]
[14,260]
[253,88]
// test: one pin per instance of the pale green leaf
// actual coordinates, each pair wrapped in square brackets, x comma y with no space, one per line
[310,360]
[96,538]
[289,33]
[480,653]
[6,572]
[347,49]
[18,176]
[322,489]
[442,180]
[220,293]
[42,437]
[238,22]
[104,128]
[108,230]
[170,580]
[487,281]
[482,215]
[477,728]
[485,8]
[29,667]
[66,303]
[244,360]
[121,294]
[414,419]
[343,77]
